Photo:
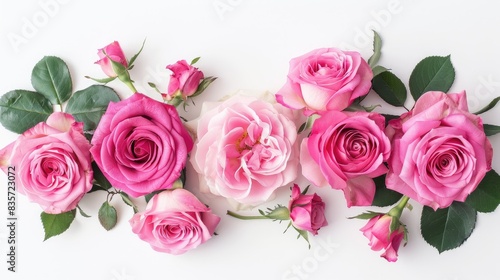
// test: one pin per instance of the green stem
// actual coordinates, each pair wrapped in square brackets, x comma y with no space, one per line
[398,209]
[131,86]
[241,217]
[176,101]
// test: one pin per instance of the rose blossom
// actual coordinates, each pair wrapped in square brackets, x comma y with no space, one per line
[184,80]
[246,149]
[52,162]
[113,52]
[325,79]
[440,151]
[175,222]
[378,231]
[141,145]
[307,212]
[346,150]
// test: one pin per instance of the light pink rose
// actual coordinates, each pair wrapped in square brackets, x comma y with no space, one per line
[440,152]
[115,53]
[325,79]
[246,149]
[184,80]
[378,231]
[52,163]
[307,212]
[175,222]
[346,150]
[141,145]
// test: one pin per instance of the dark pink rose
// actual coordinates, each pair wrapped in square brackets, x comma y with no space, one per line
[324,80]
[113,52]
[378,231]
[52,163]
[440,151]
[175,222]
[141,145]
[184,80]
[307,212]
[346,150]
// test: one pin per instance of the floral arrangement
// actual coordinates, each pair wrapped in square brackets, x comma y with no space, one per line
[244,148]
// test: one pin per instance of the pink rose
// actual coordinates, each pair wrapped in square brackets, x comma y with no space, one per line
[440,152]
[246,149]
[52,163]
[378,231]
[324,80]
[175,222]
[346,150]
[307,212]
[184,80]
[115,53]
[141,145]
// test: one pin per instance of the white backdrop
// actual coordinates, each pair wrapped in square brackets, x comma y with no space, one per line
[247,44]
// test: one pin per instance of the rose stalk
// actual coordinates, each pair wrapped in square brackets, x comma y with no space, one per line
[305,212]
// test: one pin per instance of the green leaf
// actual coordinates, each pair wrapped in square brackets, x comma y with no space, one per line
[383,195]
[82,212]
[55,224]
[448,228]
[51,77]
[195,60]
[490,129]
[99,178]
[132,60]
[128,201]
[103,81]
[377,70]
[22,109]
[366,216]
[203,85]
[390,88]
[486,197]
[489,106]
[433,73]
[90,104]
[377,46]
[304,234]
[107,216]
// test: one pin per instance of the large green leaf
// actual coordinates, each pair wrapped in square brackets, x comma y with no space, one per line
[390,88]
[107,216]
[383,195]
[433,73]
[448,228]
[490,129]
[51,77]
[22,109]
[55,224]
[89,105]
[486,197]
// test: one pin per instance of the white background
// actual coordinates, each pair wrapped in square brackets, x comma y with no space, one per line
[247,44]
